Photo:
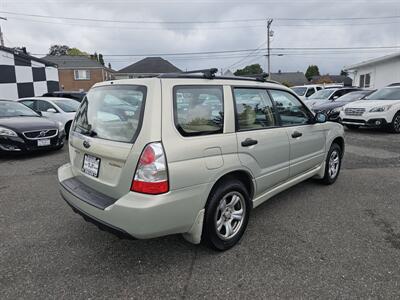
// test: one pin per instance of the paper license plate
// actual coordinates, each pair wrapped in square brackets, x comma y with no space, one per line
[91,165]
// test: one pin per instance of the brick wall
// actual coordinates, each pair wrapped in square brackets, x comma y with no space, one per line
[67,79]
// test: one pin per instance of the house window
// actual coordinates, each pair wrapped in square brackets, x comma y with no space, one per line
[362,80]
[82,75]
[367,80]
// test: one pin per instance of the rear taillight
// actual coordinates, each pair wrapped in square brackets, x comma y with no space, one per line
[151,175]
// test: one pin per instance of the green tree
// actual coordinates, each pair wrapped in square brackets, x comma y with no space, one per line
[344,73]
[249,70]
[58,50]
[76,52]
[312,70]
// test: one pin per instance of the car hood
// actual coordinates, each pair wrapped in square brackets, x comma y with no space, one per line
[371,103]
[27,123]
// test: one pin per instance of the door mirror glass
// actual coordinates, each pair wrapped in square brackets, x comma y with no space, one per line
[320,118]
[51,110]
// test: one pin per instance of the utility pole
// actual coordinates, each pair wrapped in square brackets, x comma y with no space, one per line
[269,35]
[1,33]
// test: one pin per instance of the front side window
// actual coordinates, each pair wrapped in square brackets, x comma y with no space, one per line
[254,109]
[82,74]
[198,110]
[43,106]
[300,90]
[111,112]
[291,111]
[310,92]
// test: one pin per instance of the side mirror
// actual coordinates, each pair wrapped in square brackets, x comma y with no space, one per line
[51,110]
[335,97]
[320,118]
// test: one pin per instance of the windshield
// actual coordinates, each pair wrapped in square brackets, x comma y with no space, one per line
[15,109]
[301,91]
[111,112]
[353,96]
[322,94]
[385,94]
[67,105]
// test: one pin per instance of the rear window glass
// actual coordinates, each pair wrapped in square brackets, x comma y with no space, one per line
[111,112]
[198,110]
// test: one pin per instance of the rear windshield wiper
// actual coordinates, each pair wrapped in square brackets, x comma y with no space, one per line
[88,131]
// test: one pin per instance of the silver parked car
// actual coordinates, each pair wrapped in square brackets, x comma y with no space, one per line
[191,154]
[61,110]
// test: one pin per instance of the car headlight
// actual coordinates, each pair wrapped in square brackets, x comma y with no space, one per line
[380,108]
[7,132]
[60,126]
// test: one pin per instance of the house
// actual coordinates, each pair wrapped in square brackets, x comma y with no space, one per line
[376,73]
[289,78]
[23,75]
[79,73]
[149,66]
[332,79]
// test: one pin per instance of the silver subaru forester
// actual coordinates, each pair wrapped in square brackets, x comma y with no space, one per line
[191,154]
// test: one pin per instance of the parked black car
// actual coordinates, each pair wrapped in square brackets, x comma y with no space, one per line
[332,108]
[67,94]
[23,130]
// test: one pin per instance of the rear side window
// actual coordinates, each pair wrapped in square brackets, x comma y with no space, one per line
[198,110]
[112,112]
[254,109]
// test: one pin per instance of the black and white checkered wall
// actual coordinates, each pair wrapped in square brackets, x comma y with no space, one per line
[24,77]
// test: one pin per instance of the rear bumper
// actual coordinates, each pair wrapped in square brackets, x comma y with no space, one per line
[137,215]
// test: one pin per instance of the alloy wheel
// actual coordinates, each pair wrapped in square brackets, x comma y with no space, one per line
[334,164]
[230,215]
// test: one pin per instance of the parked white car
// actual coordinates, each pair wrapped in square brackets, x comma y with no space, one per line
[61,110]
[380,109]
[305,91]
[328,94]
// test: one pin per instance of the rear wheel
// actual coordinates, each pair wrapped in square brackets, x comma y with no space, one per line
[395,125]
[332,164]
[352,126]
[227,215]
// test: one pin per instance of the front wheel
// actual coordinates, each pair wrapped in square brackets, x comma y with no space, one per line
[332,164]
[395,125]
[227,215]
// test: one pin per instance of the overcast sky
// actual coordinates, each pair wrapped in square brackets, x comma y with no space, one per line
[111,38]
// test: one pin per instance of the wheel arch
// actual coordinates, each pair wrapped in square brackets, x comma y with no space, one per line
[340,142]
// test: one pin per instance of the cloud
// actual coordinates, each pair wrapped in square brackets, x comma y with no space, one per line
[37,34]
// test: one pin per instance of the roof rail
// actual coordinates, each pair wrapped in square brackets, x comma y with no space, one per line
[210,74]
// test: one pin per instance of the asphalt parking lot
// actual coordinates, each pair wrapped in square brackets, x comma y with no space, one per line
[311,241]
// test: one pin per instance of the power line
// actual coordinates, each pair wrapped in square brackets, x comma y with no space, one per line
[198,22]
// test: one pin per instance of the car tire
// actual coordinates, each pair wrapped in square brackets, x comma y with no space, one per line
[394,127]
[333,164]
[352,126]
[226,215]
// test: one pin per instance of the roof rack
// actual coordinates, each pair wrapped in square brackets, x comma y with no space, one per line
[210,74]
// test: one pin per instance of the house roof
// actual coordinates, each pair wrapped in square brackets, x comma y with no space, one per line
[151,65]
[291,78]
[73,62]
[26,56]
[373,61]
[347,81]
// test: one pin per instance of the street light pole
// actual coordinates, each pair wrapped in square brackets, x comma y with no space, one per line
[1,33]
[269,22]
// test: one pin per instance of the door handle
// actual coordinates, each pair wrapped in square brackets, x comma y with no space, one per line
[296,134]
[249,142]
